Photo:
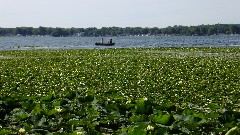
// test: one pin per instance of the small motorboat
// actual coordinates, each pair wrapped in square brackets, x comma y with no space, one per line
[104,44]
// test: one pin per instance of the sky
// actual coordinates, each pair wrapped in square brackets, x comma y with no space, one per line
[118,13]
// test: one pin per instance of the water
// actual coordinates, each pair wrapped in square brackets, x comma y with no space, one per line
[25,43]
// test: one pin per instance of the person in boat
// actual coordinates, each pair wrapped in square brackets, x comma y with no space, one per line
[110,40]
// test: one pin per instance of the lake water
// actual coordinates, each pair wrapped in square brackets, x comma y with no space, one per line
[25,43]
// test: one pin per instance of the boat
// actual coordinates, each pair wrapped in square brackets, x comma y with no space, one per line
[104,44]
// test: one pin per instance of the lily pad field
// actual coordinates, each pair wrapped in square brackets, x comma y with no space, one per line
[134,91]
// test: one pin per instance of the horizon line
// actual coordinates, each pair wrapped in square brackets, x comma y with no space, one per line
[120,26]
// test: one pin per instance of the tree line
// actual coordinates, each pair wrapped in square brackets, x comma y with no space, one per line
[200,30]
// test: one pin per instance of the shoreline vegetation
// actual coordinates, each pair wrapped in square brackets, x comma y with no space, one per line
[200,30]
[172,90]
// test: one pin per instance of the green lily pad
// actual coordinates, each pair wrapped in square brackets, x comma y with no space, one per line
[163,119]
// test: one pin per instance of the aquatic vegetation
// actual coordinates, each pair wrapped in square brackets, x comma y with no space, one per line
[120,91]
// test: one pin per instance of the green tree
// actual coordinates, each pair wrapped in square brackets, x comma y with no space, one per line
[212,30]
[234,29]
[72,31]
[42,31]
[2,31]
[56,32]
[18,30]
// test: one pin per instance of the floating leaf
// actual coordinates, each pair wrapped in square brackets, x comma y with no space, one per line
[42,121]
[70,95]
[213,106]
[47,98]
[139,130]
[233,131]
[3,132]
[142,107]
[138,118]
[163,119]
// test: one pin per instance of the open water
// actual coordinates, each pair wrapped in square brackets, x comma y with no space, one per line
[26,43]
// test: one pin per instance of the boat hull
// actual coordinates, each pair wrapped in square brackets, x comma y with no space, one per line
[104,44]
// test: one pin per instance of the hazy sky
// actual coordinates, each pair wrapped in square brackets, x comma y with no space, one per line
[119,13]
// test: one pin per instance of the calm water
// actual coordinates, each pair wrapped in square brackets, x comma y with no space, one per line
[24,43]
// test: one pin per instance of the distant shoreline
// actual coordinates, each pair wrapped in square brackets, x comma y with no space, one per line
[177,30]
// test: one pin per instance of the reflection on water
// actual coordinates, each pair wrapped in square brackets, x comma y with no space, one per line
[25,43]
